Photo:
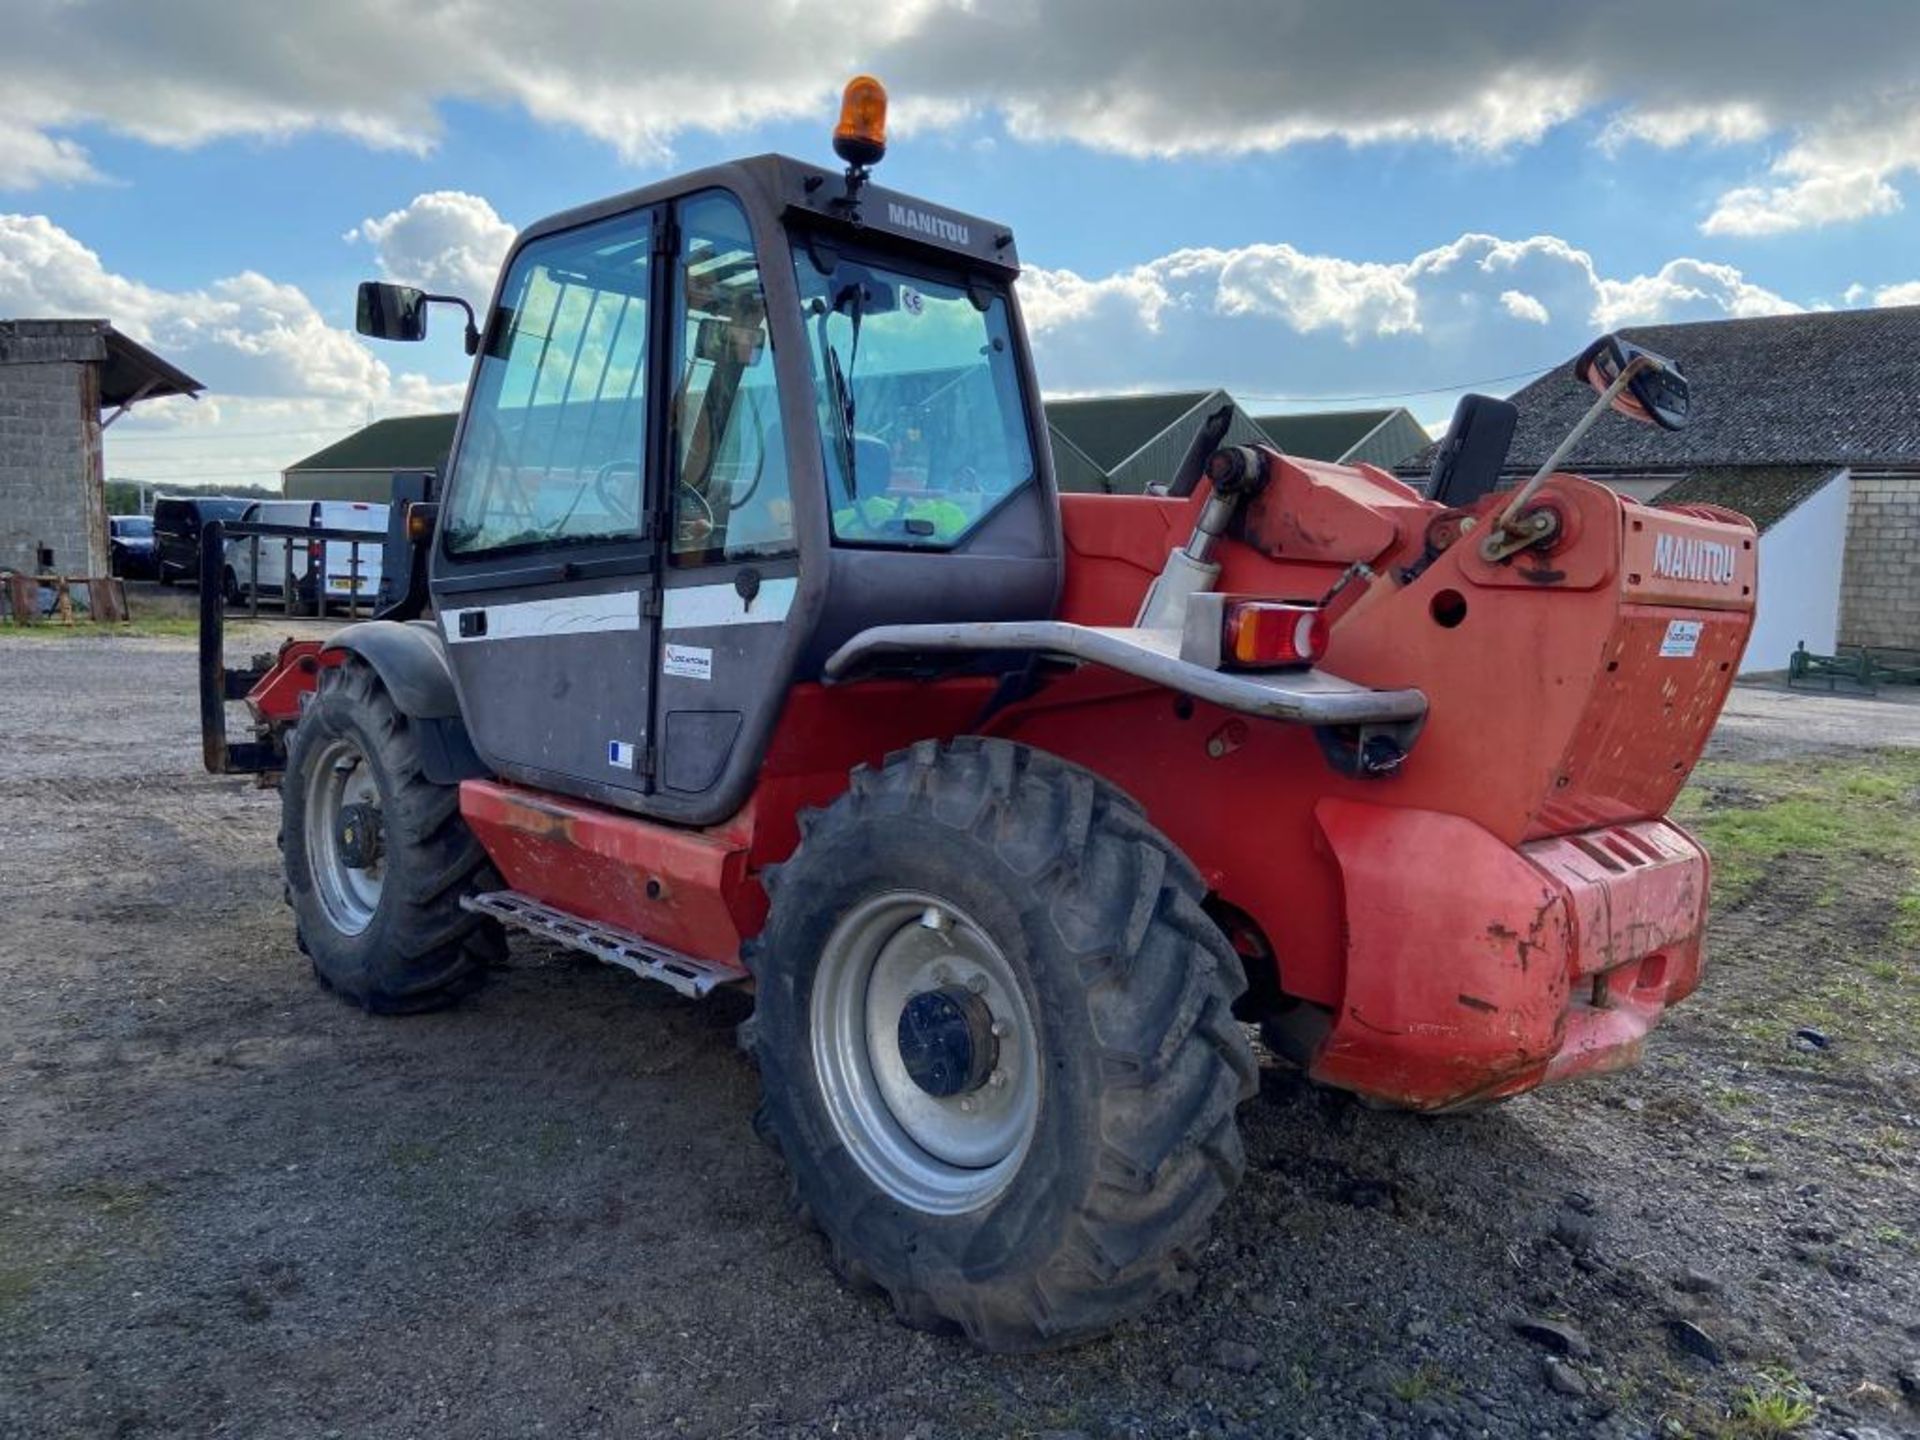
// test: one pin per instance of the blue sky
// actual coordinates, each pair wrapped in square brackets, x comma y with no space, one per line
[1295,200]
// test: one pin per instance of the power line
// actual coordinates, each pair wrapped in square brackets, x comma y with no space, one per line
[133,437]
[1394,394]
[189,476]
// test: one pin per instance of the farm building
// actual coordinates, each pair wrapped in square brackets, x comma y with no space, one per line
[1123,443]
[1810,424]
[362,466]
[1351,437]
[62,382]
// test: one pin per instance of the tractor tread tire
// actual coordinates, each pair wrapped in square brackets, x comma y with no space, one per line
[1094,1229]
[421,951]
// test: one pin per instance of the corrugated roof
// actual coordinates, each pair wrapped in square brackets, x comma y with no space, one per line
[1320,434]
[129,372]
[1113,427]
[407,442]
[1837,387]
[1764,493]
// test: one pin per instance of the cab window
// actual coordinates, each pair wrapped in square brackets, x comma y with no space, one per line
[555,432]
[730,491]
[923,421]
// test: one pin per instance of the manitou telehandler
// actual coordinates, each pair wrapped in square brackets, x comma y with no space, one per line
[763,653]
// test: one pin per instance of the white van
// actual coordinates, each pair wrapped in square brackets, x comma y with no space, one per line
[343,582]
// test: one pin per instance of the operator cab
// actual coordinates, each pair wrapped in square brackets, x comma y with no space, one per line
[715,428]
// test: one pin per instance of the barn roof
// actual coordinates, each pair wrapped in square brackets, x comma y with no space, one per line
[406,442]
[1320,435]
[1765,494]
[1839,387]
[1110,428]
[128,370]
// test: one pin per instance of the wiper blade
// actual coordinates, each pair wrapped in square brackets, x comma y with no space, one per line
[843,404]
[852,298]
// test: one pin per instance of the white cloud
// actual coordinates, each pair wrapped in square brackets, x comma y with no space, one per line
[270,360]
[1684,290]
[445,240]
[1273,321]
[1667,129]
[1137,77]
[1840,170]
[1523,306]
[1907,292]
[29,157]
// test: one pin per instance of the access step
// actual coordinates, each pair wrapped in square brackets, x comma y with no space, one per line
[691,977]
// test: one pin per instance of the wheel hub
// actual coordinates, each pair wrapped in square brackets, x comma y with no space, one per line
[357,832]
[345,834]
[947,1041]
[927,1051]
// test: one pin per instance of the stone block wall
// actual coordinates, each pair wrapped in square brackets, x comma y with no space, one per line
[1880,588]
[50,483]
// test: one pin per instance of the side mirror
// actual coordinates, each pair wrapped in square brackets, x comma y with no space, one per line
[1655,392]
[391,312]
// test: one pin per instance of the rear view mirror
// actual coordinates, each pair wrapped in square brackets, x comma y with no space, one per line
[1655,392]
[391,312]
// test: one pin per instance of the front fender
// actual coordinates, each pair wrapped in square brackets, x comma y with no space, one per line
[411,661]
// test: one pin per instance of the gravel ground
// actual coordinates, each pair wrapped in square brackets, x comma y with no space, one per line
[231,1206]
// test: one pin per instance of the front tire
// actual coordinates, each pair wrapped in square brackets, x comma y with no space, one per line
[377,856]
[1044,1175]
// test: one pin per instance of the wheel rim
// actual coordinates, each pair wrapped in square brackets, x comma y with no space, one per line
[349,893]
[943,1154]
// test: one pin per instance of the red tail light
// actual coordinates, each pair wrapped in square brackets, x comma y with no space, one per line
[316,551]
[1272,634]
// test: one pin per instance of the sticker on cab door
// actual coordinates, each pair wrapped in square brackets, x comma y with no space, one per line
[689,662]
[1682,639]
[620,754]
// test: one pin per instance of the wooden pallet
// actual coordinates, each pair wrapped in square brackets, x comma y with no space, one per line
[64,599]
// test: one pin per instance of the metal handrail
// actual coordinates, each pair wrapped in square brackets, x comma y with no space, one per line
[256,531]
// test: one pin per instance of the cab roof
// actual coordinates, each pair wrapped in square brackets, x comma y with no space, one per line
[818,195]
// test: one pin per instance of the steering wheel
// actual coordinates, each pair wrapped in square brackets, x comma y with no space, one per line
[706,516]
[624,506]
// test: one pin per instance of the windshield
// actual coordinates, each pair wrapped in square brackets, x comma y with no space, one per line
[923,425]
[138,528]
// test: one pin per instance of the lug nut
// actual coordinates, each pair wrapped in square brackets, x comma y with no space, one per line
[977,984]
[998,1079]
[967,1105]
[933,918]
[1001,1029]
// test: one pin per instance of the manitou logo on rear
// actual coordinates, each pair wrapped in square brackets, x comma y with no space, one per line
[1679,558]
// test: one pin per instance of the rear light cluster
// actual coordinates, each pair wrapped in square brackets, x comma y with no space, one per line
[1271,634]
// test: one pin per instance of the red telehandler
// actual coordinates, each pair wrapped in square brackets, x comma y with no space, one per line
[747,643]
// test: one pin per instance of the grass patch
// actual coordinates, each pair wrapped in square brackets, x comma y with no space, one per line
[1778,1406]
[1427,1381]
[1840,807]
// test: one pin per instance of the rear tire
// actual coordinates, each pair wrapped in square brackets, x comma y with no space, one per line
[387,933]
[1095,1162]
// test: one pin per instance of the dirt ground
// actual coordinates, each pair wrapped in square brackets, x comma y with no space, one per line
[229,1205]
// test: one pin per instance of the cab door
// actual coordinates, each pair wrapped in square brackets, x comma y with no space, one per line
[732,565]
[544,568]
